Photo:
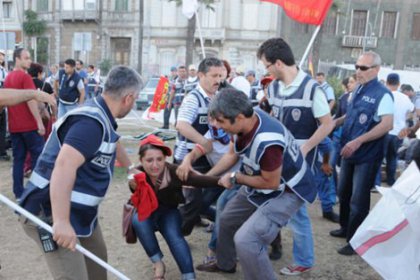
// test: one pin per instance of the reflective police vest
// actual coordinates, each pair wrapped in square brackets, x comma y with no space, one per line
[68,92]
[361,111]
[255,88]
[190,85]
[92,178]
[295,112]
[179,92]
[200,124]
[295,171]
[91,84]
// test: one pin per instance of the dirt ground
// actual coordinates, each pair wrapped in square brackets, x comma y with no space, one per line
[21,259]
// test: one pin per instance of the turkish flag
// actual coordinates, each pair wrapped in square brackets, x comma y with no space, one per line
[305,11]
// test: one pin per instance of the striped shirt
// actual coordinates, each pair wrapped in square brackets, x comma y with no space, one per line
[188,113]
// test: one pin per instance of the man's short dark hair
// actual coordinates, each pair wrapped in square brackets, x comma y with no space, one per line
[81,62]
[320,74]
[229,103]
[276,49]
[17,53]
[91,66]
[182,67]
[70,62]
[206,63]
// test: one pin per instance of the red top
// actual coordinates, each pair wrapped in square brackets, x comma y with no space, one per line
[19,116]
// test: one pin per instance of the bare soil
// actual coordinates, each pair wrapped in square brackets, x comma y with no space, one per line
[21,259]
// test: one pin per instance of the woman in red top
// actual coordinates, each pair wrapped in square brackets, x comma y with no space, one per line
[162,178]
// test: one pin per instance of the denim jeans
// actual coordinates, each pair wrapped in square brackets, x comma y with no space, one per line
[64,108]
[326,191]
[168,222]
[303,242]
[391,145]
[335,159]
[22,143]
[354,184]
[220,205]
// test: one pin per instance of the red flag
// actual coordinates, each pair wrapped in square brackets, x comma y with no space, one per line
[305,11]
[159,98]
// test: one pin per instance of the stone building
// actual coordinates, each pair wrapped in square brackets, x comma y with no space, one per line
[95,30]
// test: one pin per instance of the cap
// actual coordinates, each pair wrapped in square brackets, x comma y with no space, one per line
[2,52]
[267,80]
[157,142]
[393,78]
[192,67]
[250,73]
[173,68]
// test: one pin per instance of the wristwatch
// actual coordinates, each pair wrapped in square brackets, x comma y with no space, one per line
[233,178]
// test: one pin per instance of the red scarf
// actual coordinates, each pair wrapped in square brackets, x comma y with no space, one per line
[144,198]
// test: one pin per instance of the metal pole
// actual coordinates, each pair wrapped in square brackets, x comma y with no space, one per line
[311,42]
[199,34]
[48,228]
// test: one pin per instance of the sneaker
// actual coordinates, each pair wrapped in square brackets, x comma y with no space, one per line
[293,270]
[212,267]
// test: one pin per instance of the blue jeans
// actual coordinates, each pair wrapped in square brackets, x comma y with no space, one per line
[391,145]
[335,159]
[354,184]
[22,143]
[168,222]
[303,243]
[64,108]
[220,205]
[326,191]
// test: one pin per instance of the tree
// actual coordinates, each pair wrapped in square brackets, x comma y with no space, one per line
[189,47]
[35,28]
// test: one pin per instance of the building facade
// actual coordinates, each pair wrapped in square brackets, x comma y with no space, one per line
[94,31]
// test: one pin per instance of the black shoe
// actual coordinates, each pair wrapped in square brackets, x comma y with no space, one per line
[212,267]
[164,127]
[346,250]
[341,233]
[5,157]
[331,216]
[276,253]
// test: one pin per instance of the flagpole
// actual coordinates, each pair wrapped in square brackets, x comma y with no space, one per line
[199,34]
[311,42]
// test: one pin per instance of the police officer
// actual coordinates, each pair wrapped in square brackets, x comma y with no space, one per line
[192,80]
[177,92]
[368,119]
[92,82]
[73,173]
[71,90]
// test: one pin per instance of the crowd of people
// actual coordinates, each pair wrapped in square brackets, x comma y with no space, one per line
[250,155]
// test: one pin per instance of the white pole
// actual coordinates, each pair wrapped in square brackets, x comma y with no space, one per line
[197,22]
[48,228]
[311,42]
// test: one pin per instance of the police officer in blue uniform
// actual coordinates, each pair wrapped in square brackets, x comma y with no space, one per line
[71,91]
[270,194]
[73,173]
[368,119]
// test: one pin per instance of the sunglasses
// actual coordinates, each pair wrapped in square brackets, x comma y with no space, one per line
[363,67]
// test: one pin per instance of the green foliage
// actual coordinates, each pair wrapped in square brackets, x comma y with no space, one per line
[32,26]
[105,65]
[42,50]
[335,83]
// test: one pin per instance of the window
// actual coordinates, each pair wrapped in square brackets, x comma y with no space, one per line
[82,41]
[415,32]
[359,20]
[7,9]
[121,5]
[330,24]
[42,5]
[389,24]
[90,5]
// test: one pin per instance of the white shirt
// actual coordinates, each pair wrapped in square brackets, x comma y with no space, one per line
[402,106]
[242,84]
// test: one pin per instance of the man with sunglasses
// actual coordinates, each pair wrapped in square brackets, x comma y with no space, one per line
[368,119]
